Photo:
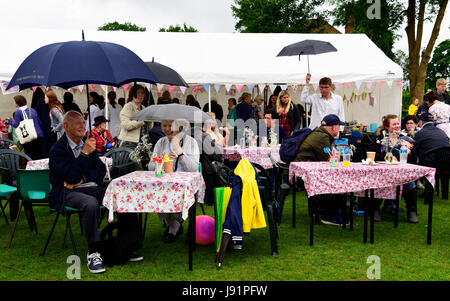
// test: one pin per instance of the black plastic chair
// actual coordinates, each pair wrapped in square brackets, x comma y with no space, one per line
[440,159]
[122,164]
[33,187]
[6,143]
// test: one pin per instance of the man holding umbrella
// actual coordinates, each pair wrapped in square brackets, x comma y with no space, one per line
[324,103]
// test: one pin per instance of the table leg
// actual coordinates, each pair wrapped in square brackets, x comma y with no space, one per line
[372,207]
[294,188]
[344,212]
[311,221]
[191,231]
[397,204]
[430,212]
[351,211]
[366,214]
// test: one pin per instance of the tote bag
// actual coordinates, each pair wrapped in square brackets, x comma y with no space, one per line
[26,131]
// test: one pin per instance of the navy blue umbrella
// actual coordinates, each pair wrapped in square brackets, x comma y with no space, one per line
[74,63]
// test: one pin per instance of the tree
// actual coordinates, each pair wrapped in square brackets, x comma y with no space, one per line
[439,67]
[418,57]
[127,26]
[402,59]
[178,28]
[356,17]
[291,16]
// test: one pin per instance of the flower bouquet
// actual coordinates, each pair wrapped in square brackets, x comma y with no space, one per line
[143,152]
[273,138]
[159,160]
[248,136]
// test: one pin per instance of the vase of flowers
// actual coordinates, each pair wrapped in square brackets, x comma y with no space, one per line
[273,138]
[248,135]
[159,162]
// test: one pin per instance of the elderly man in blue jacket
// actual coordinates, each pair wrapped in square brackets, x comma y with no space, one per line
[75,169]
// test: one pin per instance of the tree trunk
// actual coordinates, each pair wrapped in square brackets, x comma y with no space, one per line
[418,66]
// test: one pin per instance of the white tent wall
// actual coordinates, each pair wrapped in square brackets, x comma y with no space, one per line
[232,58]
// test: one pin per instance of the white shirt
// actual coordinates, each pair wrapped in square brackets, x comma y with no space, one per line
[76,149]
[114,119]
[322,107]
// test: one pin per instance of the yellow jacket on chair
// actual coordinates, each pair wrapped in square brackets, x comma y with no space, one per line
[252,210]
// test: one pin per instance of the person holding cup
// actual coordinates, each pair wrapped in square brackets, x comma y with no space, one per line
[183,151]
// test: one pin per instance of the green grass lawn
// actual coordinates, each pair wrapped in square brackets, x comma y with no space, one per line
[337,255]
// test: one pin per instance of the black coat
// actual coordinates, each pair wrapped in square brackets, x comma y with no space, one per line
[64,167]
[293,116]
[215,108]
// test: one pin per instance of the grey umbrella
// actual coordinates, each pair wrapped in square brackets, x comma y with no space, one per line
[307,47]
[171,112]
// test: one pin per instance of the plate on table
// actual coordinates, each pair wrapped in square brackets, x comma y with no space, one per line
[393,163]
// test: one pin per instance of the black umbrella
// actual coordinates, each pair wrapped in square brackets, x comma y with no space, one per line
[307,47]
[74,63]
[166,75]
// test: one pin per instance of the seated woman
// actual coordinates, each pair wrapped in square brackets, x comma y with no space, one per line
[210,128]
[184,151]
[358,148]
[390,133]
[103,139]
[410,126]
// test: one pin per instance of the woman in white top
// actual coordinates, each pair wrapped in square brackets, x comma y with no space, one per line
[94,109]
[56,113]
[113,114]
[183,150]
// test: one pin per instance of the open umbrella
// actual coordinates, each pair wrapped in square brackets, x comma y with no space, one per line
[171,112]
[166,75]
[307,47]
[73,63]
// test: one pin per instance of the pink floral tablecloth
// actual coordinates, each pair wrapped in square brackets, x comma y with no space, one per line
[141,191]
[253,154]
[43,164]
[321,178]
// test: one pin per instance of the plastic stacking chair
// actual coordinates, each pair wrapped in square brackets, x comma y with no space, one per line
[5,192]
[33,187]
[122,164]
[6,143]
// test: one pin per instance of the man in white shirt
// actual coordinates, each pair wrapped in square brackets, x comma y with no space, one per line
[324,103]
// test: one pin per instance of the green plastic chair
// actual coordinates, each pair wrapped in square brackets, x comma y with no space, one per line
[33,187]
[5,192]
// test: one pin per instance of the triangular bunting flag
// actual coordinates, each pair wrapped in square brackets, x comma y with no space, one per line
[272,88]
[194,88]
[206,87]
[337,86]
[183,89]
[294,88]
[250,88]
[228,87]
[283,87]
[358,84]
[115,89]
[261,88]
[104,87]
[46,88]
[171,88]
[80,88]
[34,88]
[125,87]
[389,83]
[369,85]
[239,88]
[379,84]
[159,87]
[217,87]
[316,86]
[147,85]
[74,90]
[348,85]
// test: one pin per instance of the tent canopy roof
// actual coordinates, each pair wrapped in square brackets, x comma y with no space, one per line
[223,58]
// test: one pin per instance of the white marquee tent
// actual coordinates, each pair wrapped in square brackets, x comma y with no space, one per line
[369,82]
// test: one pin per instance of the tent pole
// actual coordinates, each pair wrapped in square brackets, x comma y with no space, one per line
[209,97]
[89,109]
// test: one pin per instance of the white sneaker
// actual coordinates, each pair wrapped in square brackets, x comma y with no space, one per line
[95,263]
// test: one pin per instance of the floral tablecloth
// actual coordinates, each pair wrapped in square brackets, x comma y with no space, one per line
[141,191]
[321,178]
[253,154]
[43,164]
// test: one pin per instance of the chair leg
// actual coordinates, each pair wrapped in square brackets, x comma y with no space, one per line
[444,185]
[28,216]
[272,230]
[69,227]
[436,184]
[15,224]
[203,209]
[33,219]
[50,235]
[3,211]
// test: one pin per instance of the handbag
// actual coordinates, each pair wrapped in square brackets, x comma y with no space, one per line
[26,131]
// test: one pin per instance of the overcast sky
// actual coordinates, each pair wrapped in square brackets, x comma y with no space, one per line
[204,15]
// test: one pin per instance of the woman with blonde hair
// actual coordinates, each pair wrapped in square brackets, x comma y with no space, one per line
[287,113]
[56,113]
